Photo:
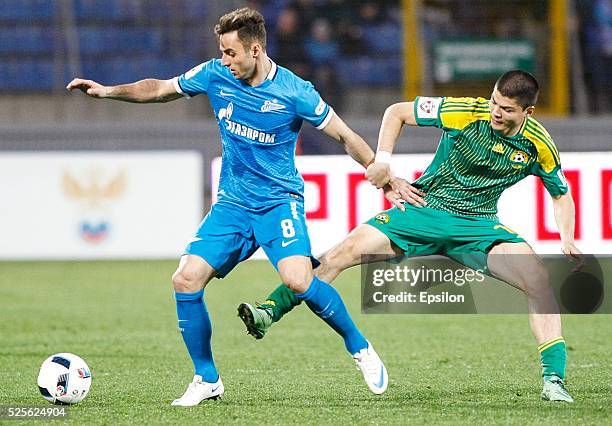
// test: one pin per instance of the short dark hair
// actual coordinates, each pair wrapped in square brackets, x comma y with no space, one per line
[249,23]
[519,85]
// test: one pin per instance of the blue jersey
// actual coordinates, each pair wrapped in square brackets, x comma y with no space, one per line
[259,127]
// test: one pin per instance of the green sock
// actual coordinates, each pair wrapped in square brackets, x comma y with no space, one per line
[553,355]
[281,301]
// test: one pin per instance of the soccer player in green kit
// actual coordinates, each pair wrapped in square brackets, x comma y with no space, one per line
[486,147]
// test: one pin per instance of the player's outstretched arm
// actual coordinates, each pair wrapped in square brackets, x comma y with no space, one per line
[144,91]
[396,191]
[354,145]
[564,210]
[396,115]
[379,173]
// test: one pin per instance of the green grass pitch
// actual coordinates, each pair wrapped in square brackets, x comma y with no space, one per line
[120,317]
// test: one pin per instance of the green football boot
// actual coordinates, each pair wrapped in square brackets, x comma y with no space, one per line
[257,319]
[554,390]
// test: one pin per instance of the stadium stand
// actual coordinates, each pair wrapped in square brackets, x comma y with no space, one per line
[596,35]
[27,11]
[116,41]
[346,47]
[116,36]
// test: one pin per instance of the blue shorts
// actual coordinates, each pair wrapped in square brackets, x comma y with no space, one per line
[230,234]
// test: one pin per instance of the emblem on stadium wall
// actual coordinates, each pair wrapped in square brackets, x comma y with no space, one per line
[94,196]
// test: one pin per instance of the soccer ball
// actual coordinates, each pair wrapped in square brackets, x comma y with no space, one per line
[64,379]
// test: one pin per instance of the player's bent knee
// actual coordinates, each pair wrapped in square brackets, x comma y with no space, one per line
[295,284]
[296,281]
[185,282]
[296,273]
[179,282]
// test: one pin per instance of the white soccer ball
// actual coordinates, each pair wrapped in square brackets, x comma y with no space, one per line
[64,379]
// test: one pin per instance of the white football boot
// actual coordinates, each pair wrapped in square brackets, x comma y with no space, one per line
[198,391]
[373,369]
[554,390]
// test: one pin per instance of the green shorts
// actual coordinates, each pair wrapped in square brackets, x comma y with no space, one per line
[423,231]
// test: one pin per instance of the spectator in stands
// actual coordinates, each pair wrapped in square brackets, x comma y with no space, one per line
[321,48]
[307,11]
[371,13]
[342,14]
[437,22]
[596,18]
[311,57]
[289,43]
[602,46]
[322,51]
[329,85]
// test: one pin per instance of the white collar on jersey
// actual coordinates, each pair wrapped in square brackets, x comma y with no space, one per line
[272,72]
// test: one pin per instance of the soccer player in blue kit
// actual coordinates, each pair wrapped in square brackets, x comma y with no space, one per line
[260,108]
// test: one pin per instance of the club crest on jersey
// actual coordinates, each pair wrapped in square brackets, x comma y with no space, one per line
[382,218]
[272,105]
[519,159]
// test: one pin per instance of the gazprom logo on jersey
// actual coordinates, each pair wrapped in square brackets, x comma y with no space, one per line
[240,129]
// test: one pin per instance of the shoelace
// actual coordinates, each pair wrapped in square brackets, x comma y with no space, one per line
[264,307]
[560,383]
[370,364]
[190,386]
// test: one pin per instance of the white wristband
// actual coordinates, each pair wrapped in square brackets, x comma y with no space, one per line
[382,157]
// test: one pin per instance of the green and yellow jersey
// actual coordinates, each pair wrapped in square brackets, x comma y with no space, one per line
[474,164]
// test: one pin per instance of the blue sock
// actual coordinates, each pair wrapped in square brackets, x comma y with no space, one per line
[196,329]
[326,303]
